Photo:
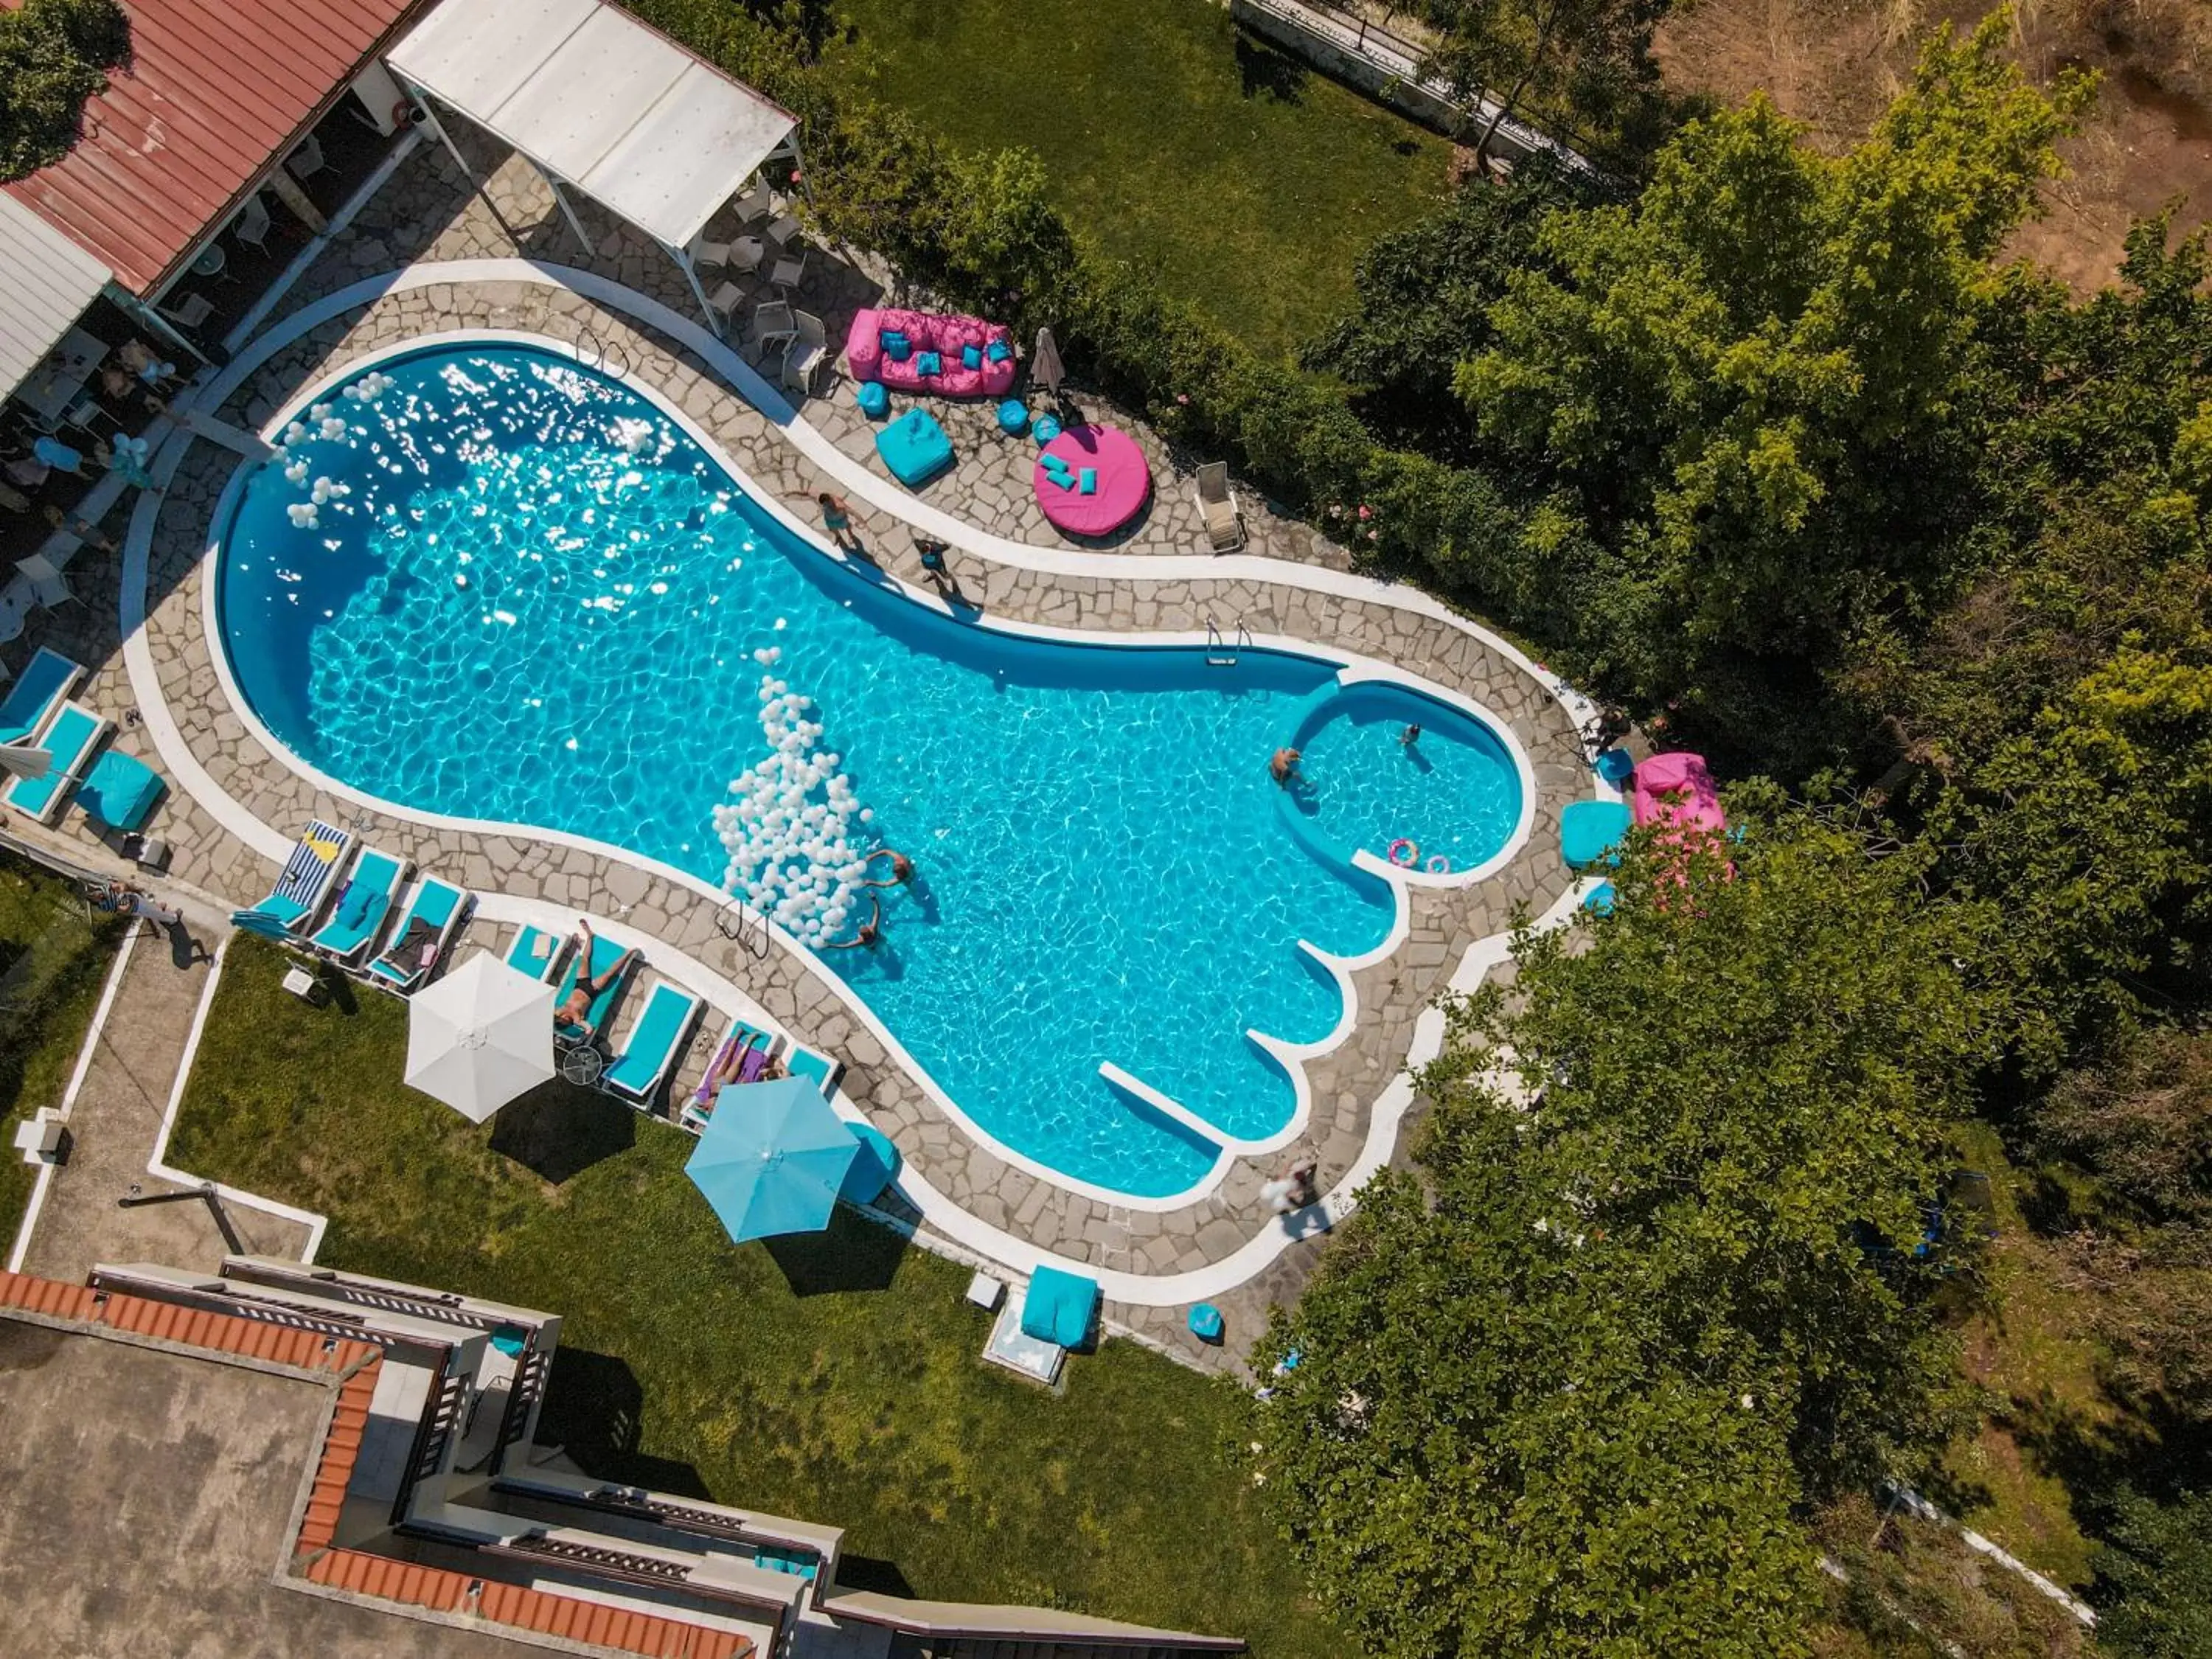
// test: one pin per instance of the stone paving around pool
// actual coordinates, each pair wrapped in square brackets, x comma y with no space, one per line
[428,214]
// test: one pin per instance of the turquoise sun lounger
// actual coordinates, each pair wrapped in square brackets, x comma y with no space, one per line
[363,904]
[537,953]
[805,1062]
[662,1031]
[45,680]
[306,880]
[423,938]
[70,737]
[605,954]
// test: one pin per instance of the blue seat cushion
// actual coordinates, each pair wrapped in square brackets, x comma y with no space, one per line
[929,363]
[1205,1322]
[1599,899]
[875,402]
[1589,830]
[915,448]
[1614,766]
[120,790]
[1014,416]
[1060,1307]
[1045,429]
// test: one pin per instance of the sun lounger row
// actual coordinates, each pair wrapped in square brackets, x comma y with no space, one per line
[637,1073]
[116,789]
[760,1054]
[362,893]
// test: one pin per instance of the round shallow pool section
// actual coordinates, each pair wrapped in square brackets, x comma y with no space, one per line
[483,582]
[1383,766]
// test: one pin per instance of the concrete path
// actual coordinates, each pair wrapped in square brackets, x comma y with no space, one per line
[113,1126]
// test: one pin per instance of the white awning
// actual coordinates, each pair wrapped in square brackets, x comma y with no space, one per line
[600,101]
[46,281]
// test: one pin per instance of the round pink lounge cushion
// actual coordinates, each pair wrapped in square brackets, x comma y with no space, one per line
[1124,480]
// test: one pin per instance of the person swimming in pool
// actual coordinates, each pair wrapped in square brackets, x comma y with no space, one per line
[868,932]
[1284,767]
[1410,735]
[901,868]
[576,1011]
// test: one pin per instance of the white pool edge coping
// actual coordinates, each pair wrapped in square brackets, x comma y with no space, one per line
[938,1210]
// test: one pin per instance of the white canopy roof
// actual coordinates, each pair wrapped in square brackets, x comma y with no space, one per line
[46,281]
[600,101]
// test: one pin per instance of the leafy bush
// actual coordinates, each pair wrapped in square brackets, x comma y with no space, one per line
[54,55]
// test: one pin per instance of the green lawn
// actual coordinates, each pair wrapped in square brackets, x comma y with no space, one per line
[1242,180]
[833,1378]
[53,958]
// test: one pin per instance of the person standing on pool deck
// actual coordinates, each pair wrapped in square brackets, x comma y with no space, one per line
[837,520]
[1284,767]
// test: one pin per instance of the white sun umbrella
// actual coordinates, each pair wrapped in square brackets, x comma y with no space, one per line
[480,1037]
[25,762]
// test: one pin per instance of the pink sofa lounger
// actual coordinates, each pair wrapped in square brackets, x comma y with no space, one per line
[937,332]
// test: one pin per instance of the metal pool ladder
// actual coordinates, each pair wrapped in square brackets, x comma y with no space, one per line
[1222,653]
[744,927]
[588,335]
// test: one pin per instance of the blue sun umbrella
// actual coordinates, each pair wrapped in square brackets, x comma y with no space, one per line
[772,1158]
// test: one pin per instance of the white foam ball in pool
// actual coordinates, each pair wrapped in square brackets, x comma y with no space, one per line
[867,815]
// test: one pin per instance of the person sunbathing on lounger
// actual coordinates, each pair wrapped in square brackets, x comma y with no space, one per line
[577,1010]
[730,1066]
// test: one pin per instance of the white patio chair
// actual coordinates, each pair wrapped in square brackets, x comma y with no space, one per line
[1224,525]
[808,349]
[782,229]
[250,227]
[307,158]
[708,255]
[789,273]
[755,203]
[190,312]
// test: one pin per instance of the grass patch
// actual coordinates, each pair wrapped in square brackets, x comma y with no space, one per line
[1223,167]
[54,956]
[2030,1346]
[833,1378]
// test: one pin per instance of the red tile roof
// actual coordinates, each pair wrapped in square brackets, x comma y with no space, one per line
[356,1571]
[216,89]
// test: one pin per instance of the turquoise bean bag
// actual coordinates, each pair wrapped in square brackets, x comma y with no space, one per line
[1590,829]
[1060,1307]
[875,402]
[915,448]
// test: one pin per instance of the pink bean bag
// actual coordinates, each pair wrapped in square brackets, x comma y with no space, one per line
[1677,789]
[1125,481]
[926,331]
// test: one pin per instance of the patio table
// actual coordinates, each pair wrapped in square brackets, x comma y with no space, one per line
[53,386]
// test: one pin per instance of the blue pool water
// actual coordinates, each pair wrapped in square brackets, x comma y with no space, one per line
[1453,791]
[500,587]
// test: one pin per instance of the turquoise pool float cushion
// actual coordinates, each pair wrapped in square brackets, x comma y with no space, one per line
[120,790]
[1206,1324]
[1013,417]
[875,402]
[1087,481]
[929,363]
[915,448]
[1060,1307]
[1589,830]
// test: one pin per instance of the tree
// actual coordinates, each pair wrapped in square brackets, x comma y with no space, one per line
[1762,381]
[1562,1394]
[54,55]
[1425,295]
[2155,1578]
[1586,62]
